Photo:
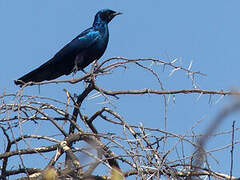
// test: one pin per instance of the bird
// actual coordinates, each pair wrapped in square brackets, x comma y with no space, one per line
[87,47]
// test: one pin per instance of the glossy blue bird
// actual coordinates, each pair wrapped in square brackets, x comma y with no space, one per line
[76,55]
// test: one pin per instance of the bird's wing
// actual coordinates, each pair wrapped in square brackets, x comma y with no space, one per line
[80,43]
[63,62]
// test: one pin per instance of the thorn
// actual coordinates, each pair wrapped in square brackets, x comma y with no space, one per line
[173,61]
[171,73]
[199,97]
[190,65]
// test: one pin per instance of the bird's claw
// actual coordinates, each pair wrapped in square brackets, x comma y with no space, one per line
[100,70]
[75,69]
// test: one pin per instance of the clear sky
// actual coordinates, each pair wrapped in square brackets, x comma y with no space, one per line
[205,32]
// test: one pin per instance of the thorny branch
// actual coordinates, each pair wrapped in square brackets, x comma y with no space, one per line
[136,148]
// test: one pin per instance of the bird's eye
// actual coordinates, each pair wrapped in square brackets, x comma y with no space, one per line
[109,13]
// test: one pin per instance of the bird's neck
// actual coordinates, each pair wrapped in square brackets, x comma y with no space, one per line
[98,23]
[101,27]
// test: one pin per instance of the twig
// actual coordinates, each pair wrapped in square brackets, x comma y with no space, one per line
[231,168]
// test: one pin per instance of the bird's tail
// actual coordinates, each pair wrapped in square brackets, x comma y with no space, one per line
[47,71]
[36,75]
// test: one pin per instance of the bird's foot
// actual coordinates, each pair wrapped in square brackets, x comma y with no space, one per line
[75,69]
[95,64]
[99,70]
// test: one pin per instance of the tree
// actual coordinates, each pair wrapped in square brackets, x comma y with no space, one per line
[135,150]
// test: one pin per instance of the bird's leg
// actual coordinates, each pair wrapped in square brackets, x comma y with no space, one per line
[75,69]
[83,71]
[95,68]
[100,70]
[95,63]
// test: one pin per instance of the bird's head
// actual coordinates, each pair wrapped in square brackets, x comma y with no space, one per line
[106,15]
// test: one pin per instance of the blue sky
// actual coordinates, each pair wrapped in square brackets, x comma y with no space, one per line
[205,32]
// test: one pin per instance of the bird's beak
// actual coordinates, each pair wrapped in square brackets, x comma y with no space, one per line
[117,13]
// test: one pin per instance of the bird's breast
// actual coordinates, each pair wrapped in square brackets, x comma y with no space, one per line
[100,45]
[84,58]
